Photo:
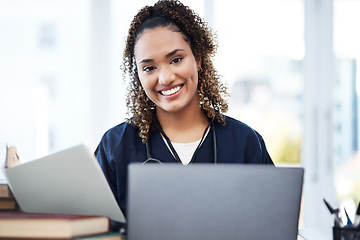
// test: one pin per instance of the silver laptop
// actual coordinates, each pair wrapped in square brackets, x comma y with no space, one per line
[67,182]
[213,202]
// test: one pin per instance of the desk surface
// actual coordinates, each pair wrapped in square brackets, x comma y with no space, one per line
[315,234]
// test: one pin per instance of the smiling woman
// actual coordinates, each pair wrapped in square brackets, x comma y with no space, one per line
[176,99]
[195,41]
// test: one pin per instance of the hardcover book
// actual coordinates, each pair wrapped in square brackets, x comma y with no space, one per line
[5,191]
[7,200]
[50,226]
[8,204]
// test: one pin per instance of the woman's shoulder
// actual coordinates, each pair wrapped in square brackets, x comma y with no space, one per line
[234,124]
[124,129]
[238,128]
[246,140]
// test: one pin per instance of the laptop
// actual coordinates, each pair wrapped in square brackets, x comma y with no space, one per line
[213,202]
[67,182]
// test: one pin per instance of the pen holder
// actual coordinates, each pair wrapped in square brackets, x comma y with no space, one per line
[346,233]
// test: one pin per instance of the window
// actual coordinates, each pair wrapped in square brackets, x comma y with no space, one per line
[346,104]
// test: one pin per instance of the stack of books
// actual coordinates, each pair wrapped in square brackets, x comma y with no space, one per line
[65,218]
[22,225]
[7,199]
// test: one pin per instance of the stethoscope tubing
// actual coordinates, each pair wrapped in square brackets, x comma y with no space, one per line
[151,159]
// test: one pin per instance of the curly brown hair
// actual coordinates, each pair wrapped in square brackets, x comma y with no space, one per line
[173,14]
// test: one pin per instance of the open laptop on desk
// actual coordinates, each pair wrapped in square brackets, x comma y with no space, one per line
[67,182]
[213,202]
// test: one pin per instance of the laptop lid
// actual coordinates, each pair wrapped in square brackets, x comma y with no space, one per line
[67,182]
[212,202]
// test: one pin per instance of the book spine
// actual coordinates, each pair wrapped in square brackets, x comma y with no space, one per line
[8,204]
[5,191]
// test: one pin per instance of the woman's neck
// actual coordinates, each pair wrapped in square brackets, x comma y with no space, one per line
[183,127]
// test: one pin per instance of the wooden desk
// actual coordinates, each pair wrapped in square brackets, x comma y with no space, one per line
[315,234]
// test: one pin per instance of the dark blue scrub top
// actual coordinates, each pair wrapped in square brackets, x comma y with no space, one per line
[121,145]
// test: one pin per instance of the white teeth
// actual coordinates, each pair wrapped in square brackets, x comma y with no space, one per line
[170,91]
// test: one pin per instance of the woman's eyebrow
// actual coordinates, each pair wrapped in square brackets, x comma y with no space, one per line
[173,52]
[146,60]
[167,55]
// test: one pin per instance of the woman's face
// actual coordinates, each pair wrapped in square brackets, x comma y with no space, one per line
[168,70]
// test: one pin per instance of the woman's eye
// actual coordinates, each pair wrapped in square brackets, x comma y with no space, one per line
[176,60]
[148,69]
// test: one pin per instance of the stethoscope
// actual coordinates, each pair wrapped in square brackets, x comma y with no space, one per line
[151,159]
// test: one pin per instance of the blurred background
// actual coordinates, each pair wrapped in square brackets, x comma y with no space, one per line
[291,66]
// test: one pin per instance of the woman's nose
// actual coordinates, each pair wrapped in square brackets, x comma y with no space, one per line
[166,75]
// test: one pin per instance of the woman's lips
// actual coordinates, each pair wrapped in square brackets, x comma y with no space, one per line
[171,91]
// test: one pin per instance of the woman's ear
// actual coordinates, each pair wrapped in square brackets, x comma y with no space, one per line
[198,63]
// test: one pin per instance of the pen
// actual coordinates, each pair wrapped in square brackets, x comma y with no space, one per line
[349,223]
[335,213]
[357,217]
